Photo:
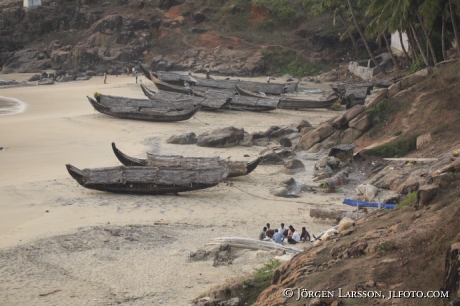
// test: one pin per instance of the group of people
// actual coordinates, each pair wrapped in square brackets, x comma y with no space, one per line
[289,234]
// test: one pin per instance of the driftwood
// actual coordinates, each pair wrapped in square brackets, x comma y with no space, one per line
[45,294]
[254,244]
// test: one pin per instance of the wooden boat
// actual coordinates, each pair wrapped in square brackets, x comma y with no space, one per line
[174,88]
[253,104]
[212,100]
[145,113]
[249,93]
[356,203]
[175,79]
[292,103]
[147,180]
[236,168]
[165,100]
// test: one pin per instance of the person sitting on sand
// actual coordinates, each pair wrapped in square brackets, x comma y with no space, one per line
[291,230]
[304,235]
[269,233]
[268,226]
[262,234]
[278,237]
[282,228]
[295,238]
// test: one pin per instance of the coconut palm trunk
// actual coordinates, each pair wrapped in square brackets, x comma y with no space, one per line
[350,34]
[428,40]
[402,44]
[414,33]
[454,24]
[393,57]
[363,37]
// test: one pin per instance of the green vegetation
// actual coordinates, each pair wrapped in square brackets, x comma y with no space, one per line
[410,200]
[396,148]
[286,61]
[285,11]
[387,246]
[417,65]
[379,114]
[260,281]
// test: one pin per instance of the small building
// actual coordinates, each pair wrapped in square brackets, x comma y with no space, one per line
[32,3]
[396,43]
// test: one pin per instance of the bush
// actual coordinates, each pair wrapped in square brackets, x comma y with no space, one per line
[417,65]
[395,148]
[410,200]
[287,62]
[267,25]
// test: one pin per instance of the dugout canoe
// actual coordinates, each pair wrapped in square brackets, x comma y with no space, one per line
[249,93]
[253,104]
[293,103]
[145,113]
[213,100]
[236,168]
[147,180]
[162,78]
[161,85]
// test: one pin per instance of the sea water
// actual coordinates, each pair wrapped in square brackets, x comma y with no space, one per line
[11,106]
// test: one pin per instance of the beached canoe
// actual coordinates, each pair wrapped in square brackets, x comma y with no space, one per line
[147,113]
[236,168]
[213,99]
[249,93]
[162,78]
[161,85]
[148,180]
[293,103]
[253,104]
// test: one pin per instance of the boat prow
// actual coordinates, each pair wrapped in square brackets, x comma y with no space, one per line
[76,173]
[128,160]
[251,166]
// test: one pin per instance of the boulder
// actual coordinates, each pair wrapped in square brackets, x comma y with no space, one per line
[293,166]
[221,138]
[415,78]
[325,130]
[275,156]
[303,123]
[46,81]
[199,17]
[360,123]
[350,135]
[423,140]
[426,193]
[382,95]
[187,138]
[279,191]
[353,112]
[305,130]
[394,89]
[308,140]
[281,132]
[285,142]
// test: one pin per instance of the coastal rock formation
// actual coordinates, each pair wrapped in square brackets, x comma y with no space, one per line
[187,138]
[221,138]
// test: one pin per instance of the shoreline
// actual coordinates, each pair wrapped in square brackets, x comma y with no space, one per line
[11,106]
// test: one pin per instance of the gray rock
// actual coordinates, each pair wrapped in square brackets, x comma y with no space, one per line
[221,138]
[279,191]
[49,81]
[293,166]
[285,142]
[187,138]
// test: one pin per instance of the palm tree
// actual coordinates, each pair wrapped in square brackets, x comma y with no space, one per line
[352,11]
[454,24]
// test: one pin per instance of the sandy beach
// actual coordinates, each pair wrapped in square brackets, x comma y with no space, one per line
[58,236]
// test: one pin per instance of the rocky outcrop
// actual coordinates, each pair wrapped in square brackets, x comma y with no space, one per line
[187,138]
[221,138]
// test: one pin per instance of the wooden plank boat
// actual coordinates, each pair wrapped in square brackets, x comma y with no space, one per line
[145,113]
[268,88]
[213,100]
[236,168]
[292,103]
[162,78]
[249,93]
[161,85]
[147,180]
[355,203]
[253,104]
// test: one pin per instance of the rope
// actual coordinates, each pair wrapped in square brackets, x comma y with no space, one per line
[200,120]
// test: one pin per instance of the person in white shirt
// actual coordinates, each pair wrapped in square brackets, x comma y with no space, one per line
[268,79]
[282,228]
[295,237]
